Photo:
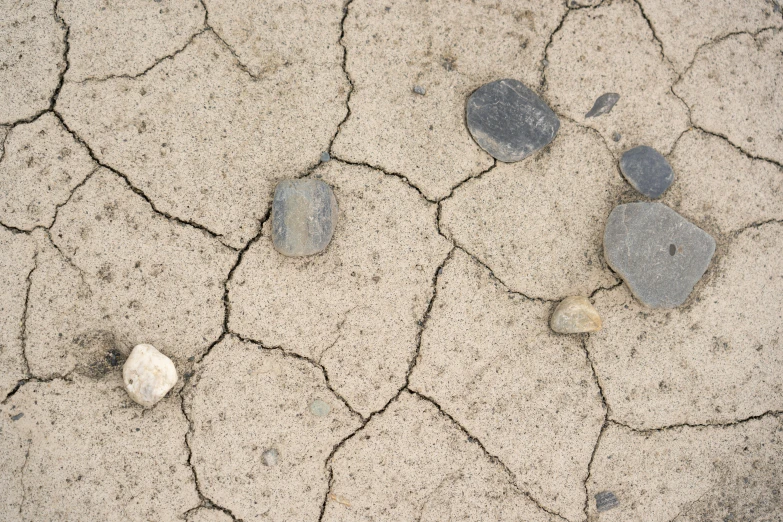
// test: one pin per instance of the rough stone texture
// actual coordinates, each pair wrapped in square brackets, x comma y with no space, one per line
[489,359]
[716,360]
[575,315]
[113,37]
[659,254]
[209,515]
[647,171]
[17,260]
[304,216]
[122,275]
[31,57]
[611,49]
[41,166]
[148,375]
[449,48]
[89,454]
[720,187]
[538,223]
[413,464]
[510,121]
[247,398]
[684,27]
[356,307]
[201,138]
[603,105]
[691,474]
[722,100]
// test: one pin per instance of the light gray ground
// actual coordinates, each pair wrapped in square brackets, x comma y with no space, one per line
[408,372]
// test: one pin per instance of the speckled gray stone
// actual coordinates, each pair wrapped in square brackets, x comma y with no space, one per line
[659,254]
[304,216]
[510,121]
[605,500]
[647,171]
[603,105]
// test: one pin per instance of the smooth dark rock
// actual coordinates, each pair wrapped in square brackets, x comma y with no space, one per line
[603,105]
[647,171]
[605,500]
[17,416]
[510,121]
[304,216]
[659,254]
[616,137]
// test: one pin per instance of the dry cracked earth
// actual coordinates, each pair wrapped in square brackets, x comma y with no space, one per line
[141,143]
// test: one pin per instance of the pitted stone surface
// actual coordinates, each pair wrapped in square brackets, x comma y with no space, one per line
[715,360]
[304,216]
[451,48]
[41,165]
[691,474]
[659,254]
[357,305]
[611,49]
[412,463]
[647,171]
[89,454]
[17,260]
[487,358]
[31,57]
[516,220]
[603,105]
[510,121]
[201,138]
[247,398]
[123,270]
[113,37]
[716,89]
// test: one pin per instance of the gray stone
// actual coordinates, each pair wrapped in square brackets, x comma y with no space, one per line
[603,105]
[616,136]
[659,254]
[510,121]
[304,215]
[319,408]
[325,157]
[605,500]
[269,457]
[647,171]
[419,90]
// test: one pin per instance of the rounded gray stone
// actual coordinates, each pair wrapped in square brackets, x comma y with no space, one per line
[510,121]
[659,254]
[270,457]
[319,408]
[647,171]
[304,216]
[603,105]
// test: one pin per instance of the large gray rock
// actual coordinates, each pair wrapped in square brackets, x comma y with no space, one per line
[647,171]
[304,215]
[510,121]
[659,254]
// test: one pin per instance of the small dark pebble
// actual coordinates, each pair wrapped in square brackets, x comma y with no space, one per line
[603,105]
[17,416]
[325,157]
[419,90]
[616,136]
[605,500]
[647,171]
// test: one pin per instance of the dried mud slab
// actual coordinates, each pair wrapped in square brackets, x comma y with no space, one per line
[489,359]
[448,48]
[41,166]
[413,463]
[715,360]
[356,306]
[684,27]
[31,57]
[113,37]
[117,275]
[720,187]
[691,474]
[89,454]
[209,515]
[202,139]
[611,49]
[538,224]
[733,90]
[17,260]
[247,400]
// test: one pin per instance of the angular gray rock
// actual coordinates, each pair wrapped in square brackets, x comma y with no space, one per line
[304,215]
[510,121]
[647,171]
[603,105]
[659,254]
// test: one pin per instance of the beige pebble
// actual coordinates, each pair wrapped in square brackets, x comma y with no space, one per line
[148,375]
[575,315]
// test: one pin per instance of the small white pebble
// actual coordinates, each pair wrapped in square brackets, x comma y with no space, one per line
[148,375]
[269,457]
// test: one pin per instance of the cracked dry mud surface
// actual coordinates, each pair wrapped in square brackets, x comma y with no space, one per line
[407,372]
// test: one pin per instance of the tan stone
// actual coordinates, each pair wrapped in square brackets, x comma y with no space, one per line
[575,315]
[490,361]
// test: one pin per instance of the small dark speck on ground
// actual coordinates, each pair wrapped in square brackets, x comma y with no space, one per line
[17,416]
[419,90]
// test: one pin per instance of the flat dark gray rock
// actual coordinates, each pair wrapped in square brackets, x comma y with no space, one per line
[603,105]
[510,121]
[605,500]
[304,216]
[647,171]
[659,254]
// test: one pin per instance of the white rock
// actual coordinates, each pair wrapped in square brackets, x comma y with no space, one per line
[148,375]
